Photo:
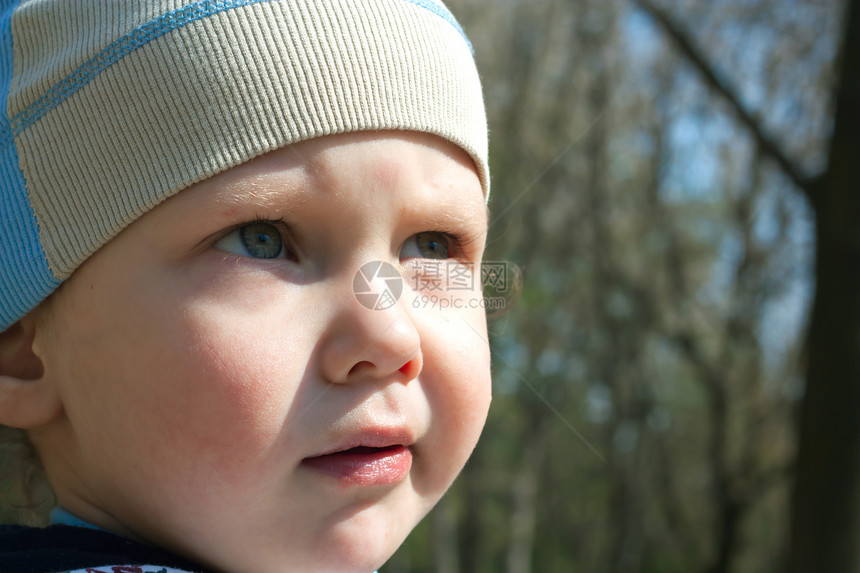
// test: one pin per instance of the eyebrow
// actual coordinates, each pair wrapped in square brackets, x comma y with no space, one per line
[264,192]
[259,192]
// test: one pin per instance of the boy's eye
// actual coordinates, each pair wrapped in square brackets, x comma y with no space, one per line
[259,240]
[427,245]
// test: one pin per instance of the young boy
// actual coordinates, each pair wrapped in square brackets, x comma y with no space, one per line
[193,194]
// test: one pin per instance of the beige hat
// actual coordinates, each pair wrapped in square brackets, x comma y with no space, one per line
[113,106]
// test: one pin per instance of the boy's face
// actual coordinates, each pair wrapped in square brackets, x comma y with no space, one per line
[250,412]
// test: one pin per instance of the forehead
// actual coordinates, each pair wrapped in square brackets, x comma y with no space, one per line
[417,168]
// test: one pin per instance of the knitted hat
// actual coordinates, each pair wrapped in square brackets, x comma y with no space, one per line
[112,106]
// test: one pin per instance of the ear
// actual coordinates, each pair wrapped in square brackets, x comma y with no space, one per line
[27,400]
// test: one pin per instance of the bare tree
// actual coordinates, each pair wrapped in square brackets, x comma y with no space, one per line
[826,499]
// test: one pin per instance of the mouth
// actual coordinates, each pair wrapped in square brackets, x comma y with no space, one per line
[375,458]
[364,465]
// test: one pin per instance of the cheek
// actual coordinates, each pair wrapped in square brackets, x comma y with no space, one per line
[457,382]
[463,396]
[195,383]
[232,385]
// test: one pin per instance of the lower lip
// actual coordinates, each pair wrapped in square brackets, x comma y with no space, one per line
[365,466]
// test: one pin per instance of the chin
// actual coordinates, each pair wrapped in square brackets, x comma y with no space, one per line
[354,559]
[364,543]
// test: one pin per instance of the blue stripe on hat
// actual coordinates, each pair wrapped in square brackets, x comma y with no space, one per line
[144,34]
[440,10]
[25,277]
[117,50]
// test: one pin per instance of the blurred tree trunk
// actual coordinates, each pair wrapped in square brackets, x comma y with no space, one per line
[525,505]
[825,505]
[472,532]
[445,545]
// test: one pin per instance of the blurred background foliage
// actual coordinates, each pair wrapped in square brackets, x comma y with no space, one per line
[652,164]
[655,167]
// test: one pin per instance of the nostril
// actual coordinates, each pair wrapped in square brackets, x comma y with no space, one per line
[363,365]
[411,369]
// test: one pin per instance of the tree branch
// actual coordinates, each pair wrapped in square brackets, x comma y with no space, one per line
[695,56]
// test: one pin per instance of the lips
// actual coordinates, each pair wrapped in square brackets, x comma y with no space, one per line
[377,459]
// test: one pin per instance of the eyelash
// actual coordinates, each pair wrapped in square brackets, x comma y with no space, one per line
[280,225]
[456,242]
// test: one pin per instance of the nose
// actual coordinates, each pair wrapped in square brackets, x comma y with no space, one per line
[363,343]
